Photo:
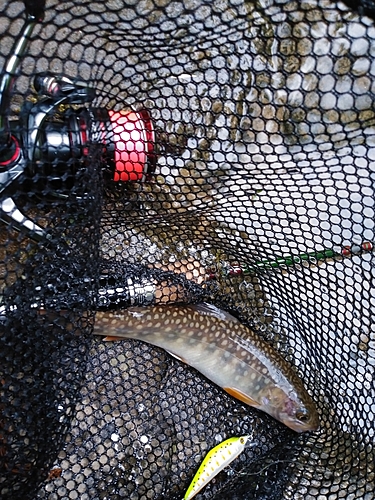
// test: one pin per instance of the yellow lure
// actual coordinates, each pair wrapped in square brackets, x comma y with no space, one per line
[215,461]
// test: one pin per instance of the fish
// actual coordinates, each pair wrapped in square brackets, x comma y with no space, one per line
[214,462]
[222,349]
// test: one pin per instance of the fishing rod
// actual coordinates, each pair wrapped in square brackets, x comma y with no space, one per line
[113,289]
[288,261]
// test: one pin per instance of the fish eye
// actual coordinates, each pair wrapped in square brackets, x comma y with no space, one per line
[302,415]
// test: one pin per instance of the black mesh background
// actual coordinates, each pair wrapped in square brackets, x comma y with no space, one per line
[265,122]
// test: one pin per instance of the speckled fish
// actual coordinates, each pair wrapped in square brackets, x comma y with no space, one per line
[215,461]
[223,350]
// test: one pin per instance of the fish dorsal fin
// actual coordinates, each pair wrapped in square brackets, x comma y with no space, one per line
[211,310]
[236,393]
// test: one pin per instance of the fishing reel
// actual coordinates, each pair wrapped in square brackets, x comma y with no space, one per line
[58,134]
[59,130]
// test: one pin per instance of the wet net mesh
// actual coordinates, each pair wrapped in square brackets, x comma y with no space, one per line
[262,203]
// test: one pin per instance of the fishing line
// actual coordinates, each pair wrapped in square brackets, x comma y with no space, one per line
[240,473]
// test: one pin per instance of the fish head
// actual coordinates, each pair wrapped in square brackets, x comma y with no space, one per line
[298,412]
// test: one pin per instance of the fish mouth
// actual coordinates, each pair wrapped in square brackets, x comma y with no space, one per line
[310,425]
[297,426]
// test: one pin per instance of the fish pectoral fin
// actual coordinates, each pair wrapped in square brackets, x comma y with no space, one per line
[177,357]
[112,338]
[236,393]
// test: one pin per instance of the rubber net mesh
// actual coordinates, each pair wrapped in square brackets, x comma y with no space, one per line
[261,203]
